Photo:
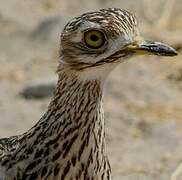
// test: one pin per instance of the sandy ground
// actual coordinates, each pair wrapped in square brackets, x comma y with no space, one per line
[143,97]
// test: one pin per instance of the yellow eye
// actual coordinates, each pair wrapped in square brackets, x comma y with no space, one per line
[94,39]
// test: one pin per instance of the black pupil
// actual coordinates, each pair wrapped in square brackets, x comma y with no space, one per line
[94,37]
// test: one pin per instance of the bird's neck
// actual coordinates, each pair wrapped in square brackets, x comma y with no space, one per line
[71,134]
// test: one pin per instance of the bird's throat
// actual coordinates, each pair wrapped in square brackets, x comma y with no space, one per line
[71,133]
[79,121]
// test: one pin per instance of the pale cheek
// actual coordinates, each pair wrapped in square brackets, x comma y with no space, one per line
[89,59]
[98,72]
[77,38]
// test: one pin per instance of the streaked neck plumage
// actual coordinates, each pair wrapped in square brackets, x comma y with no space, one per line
[70,137]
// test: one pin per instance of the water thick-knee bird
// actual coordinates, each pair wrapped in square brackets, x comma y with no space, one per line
[68,142]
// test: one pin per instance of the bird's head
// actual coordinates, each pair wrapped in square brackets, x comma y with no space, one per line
[95,42]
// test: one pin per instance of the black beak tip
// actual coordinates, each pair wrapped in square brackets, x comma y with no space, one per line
[160,49]
[171,52]
[174,53]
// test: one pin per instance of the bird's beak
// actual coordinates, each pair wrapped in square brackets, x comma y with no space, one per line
[151,48]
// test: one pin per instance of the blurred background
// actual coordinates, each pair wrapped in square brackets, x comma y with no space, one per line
[143,97]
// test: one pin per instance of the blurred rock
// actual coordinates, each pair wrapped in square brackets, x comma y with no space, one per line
[40,88]
[48,28]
